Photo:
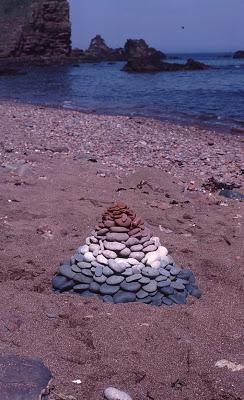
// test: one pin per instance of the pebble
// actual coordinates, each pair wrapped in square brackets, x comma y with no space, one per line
[79,257]
[98,271]
[89,257]
[109,224]
[101,259]
[82,278]
[100,279]
[178,285]
[178,298]
[108,289]
[196,292]
[87,272]
[167,301]
[162,251]
[112,393]
[114,280]
[164,272]
[164,283]
[107,271]
[166,290]
[145,300]
[155,264]
[185,274]
[125,252]
[132,261]
[94,247]
[102,231]
[137,255]
[84,265]
[157,299]
[174,270]
[109,254]
[66,271]
[150,248]
[164,261]
[124,297]
[127,272]
[134,277]
[144,240]
[93,239]
[132,241]
[136,247]
[94,287]
[141,294]
[151,257]
[114,246]
[81,287]
[150,272]
[161,278]
[83,249]
[130,287]
[120,229]
[148,243]
[108,299]
[150,287]
[144,280]
[59,281]
[117,237]
[116,267]
[75,268]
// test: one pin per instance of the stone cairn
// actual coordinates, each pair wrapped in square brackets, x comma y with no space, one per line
[122,262]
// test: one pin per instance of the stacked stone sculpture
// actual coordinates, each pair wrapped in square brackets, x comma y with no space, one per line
[123,262]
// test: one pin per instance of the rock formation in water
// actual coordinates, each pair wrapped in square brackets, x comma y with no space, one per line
[99,51]
[34,30]
[239,54]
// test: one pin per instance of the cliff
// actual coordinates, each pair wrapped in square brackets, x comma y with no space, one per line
[34,30]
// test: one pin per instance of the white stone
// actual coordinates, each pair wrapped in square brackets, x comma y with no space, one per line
[132,261]
[156,264]
[151,257]
[101,245]
[114,246]
[83,249]
[102,260]
[162,251]
[109,254]
[88,241]
[89,257]
[112,393]
[156,241]
[93,239]
[94,247]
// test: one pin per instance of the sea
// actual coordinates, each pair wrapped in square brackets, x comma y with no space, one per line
[212,98]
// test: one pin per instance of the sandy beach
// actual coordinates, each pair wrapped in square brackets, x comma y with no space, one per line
[59,170]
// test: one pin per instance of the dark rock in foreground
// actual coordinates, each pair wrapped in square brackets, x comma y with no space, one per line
[22,378]
[239,54]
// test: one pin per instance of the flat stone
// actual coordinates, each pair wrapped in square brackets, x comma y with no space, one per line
[114,246]
[102,260]
[108,289]
[122,261]
[164,283]
[109,224]
[58,281]
[93,239]
[178,298]
[82,278]
[100,279]
[79,257]
[112,393]
[119,229]
[150,287]
[157,299]
[178,285]
[89,257]
[94,287]
[127,272]
[83,249]
[109,254]
[145,300]
[108,299]
[107,271]
[166,290]
[185,274]
[164,272]
[102,232]
[134,277]
[136,247]
[144,240]
[161,278]
[66,270]
[98,271]
[150,248]
[96,264]
[174,270]
[131,242]
[87,293]
[124,297]
[125,252]
[132,261]
[75,268]
[134,231]
[117,237]
[167,301]
[164,261]
[116,267]
[141,294]
[81,287]
[115,280]
[144,280]
[150,272]
[130,287]
[94,247]
[138,255]
[148,242]
[84,265]
[87,272]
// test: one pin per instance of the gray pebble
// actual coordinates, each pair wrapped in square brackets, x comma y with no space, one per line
[132,241]
[98,271]
[134,277]
[116,267]
[151,272]
[87,272]
[82,278]
[84,265]
[157,299]
[124,297]
[144,280]
[161,278]
[178,298]
[164,283]
[115,280]
[125,252]
[109,254]
[59,282]
[178,285]
[166,290]
[114,246]
[108,299]
[150,248]
[102,231]
[83,249]
[196,292]
[81,287]
[130,287]
[89,257]
[167,301]
[100,279]
[175,270]
[138,255]
[119,229]
[141,294]
[108,289]
[164,272]
[96,264]
[150,287]
[136,247]
[66,271]
[145,300]
[94,247]
[117,237]
[107,271]
[94,287]
[127,272]
[78,257]
[112,393]
[102,260]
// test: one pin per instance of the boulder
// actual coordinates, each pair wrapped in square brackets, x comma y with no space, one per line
[99,51]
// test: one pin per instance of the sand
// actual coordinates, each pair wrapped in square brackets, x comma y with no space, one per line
[59,170]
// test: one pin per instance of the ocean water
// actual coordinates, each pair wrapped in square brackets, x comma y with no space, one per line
[213,97]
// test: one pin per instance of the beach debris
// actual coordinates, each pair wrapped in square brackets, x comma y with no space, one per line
[234,367]
[23,378]
[112,393]
[121,261]
[77,381]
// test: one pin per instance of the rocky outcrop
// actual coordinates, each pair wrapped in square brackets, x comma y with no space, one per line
[149,65]
[35,30]
[139,49]
[239,54]
[99,51]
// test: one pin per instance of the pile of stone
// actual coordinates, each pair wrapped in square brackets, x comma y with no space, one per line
[123,262]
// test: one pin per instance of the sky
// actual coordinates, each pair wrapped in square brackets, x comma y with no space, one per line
[209,25]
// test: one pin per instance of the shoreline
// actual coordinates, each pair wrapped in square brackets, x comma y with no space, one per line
[187,151]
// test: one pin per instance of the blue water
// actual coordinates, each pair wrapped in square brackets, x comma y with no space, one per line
[213,97]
